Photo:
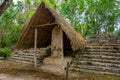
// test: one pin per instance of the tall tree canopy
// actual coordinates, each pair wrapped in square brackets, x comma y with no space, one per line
[92,16]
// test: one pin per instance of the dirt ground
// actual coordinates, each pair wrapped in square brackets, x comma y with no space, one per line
[10,70]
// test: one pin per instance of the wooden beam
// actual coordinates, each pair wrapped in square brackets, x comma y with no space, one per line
[35,49]
[51,24]
[43,30]
[38,26]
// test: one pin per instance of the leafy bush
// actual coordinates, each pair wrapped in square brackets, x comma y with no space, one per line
[5,52]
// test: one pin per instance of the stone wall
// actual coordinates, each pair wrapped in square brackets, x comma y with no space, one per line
[27,55]
[101,55]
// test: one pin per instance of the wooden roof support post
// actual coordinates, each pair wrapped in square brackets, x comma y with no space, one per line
[62,53]
[35,49]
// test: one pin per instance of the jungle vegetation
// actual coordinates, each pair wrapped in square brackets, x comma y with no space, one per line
[87,17]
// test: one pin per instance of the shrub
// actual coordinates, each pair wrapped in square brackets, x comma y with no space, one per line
[5,52]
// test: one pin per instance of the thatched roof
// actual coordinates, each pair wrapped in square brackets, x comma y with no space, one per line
[47,15]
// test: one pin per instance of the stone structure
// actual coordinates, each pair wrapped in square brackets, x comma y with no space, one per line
[57,42]
[101,56]
[27,55]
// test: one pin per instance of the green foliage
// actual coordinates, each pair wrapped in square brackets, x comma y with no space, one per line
[5,52]
[118,32]
[11,25]
[92,16]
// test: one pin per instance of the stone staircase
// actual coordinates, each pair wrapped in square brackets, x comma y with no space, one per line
[99,59]
[27,56]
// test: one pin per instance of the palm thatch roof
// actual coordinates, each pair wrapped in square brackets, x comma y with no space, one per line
[43,16]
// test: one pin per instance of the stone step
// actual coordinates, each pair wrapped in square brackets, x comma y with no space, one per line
[19,60]
[27,57]
[99,44]
[98,68]
[22,60]
[92,71]
[31,57]
[102,53]
[102,47]
[24,57]
[25,60]
[102,41]
[91,63]
[27,54]
[89,56]
[98,60]
[30,51]
[102,50]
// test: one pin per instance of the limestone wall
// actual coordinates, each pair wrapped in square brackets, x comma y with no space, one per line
[28,55]
[101,55]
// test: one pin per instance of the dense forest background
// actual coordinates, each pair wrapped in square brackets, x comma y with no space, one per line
[87,16]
